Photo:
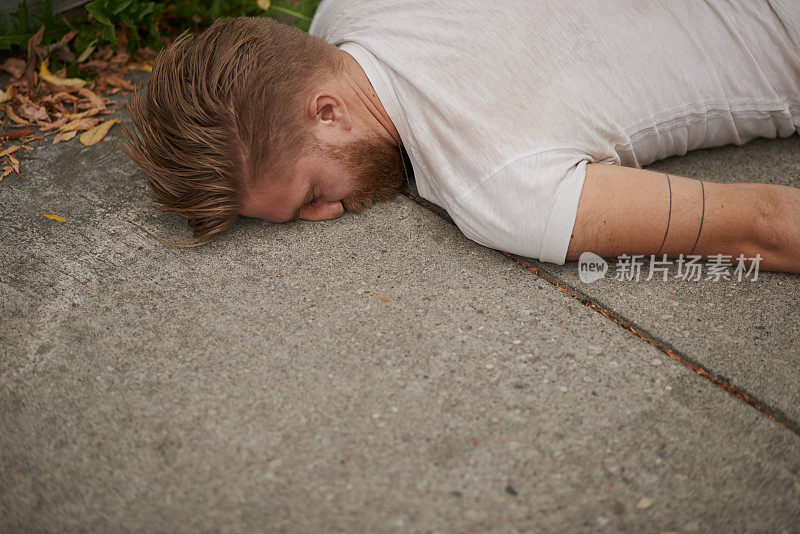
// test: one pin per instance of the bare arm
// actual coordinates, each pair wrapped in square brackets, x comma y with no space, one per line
[624,210]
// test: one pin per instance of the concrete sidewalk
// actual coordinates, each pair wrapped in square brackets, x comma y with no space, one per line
[379,372]
[746,334]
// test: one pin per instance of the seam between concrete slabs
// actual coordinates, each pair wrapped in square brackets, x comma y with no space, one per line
[771,412]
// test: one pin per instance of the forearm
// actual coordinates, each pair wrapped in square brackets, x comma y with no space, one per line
[759,220]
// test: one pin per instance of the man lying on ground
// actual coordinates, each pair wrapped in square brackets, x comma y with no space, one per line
[527,121]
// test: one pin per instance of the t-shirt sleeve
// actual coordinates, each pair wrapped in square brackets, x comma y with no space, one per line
[323,19]
[528,207]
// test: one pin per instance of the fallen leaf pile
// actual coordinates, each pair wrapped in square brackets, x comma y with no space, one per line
[37,103]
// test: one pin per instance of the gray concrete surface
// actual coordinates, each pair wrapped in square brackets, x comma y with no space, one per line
[379,372]
[744,333]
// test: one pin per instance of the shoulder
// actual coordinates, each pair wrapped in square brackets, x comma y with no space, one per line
[326,15]
[528,206]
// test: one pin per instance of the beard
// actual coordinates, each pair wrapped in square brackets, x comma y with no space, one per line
[377,168]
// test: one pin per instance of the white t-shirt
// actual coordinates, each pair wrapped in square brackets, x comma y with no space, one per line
[502,104]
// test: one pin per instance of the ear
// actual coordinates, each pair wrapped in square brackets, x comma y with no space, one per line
[328,110]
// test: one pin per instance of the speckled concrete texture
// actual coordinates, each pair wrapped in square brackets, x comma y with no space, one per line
[746,333]
[377,373]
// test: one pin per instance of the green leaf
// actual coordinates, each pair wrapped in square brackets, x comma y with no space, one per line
[148,8]
[21,39]
[99,10]
[128,22]
[292,12]
[142,19]
[16,21]
[46,13]
[109,34]
[123,5]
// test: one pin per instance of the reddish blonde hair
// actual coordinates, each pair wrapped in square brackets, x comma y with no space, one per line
[222,109]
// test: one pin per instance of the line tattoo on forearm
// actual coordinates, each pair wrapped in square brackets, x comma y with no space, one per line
[702,217]
[669,215]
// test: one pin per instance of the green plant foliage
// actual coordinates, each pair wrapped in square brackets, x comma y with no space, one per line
[17,27]
[143,22]
[140,19]
[302,12]
[204,13]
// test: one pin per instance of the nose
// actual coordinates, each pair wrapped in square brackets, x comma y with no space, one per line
[322,211]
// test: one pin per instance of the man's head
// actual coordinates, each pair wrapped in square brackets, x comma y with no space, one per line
[255,118]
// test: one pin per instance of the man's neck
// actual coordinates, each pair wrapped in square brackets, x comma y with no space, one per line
[357,80]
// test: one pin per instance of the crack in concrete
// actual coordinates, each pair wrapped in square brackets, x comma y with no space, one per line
[771,412]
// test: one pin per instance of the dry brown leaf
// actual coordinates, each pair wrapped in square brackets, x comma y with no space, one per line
[122,38]
[6,172]
[120,58]
[14,117]
[16,134]
[14,162]
[61,48]
[145,53]
[95,99]
[96,134]
[104,52]
[22,98]
[115,80]
[14,66]
[383,297]
[9,150]
[88,113]
[80,124]
[8,94]
[33,58]
[46,100]
[47,126]
[33,113]
[146,66]
[64,96]
[64,136]
[55,217]
[96,65]
[47,76]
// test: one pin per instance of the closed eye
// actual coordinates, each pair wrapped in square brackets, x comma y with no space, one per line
[311,202]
